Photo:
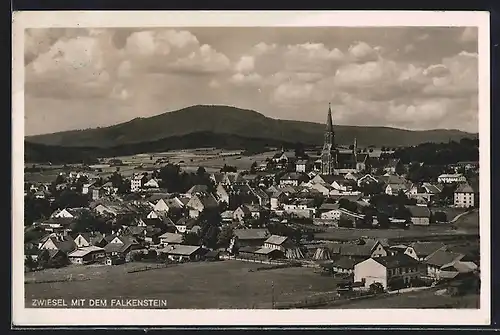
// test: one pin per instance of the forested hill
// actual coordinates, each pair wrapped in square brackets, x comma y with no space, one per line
[214,123]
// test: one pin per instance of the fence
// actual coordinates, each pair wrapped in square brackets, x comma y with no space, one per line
[147,268]
[330,300]
[254,260]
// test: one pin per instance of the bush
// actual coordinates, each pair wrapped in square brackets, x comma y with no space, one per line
[376,288]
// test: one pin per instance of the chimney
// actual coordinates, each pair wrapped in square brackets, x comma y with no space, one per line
[172,247]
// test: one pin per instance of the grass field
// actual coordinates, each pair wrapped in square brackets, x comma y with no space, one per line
[468,222]
[417,299]
[339,234]
[225,284]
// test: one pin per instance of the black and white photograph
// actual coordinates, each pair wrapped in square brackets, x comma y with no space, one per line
[315,165]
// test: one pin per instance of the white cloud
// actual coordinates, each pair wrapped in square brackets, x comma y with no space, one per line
[246,64]
[409,48]
[311,57]
[423,37]
[263,48]
[436,70]
[367,74]
[240,79]
[77,66]
[363,52]
[292,94]
[125,69]
[214,83]
[462,78]
[469,35]
[167,50]
[204,60]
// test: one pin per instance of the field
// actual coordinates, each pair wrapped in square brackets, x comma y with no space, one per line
[417,299]
[431,232]
[189,160]
[224,284]
[468,222]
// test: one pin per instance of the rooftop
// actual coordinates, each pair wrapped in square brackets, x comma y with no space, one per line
[276,239]
[396,261]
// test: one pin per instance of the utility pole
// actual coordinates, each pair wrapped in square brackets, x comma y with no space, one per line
[272,294]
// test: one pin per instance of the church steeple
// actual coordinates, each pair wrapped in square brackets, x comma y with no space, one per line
[329,123]
[355,150]
[329,154]
[329,134]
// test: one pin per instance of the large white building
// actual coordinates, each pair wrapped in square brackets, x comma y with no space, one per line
[136,183]
[464,196]
[386,269]
[451,178]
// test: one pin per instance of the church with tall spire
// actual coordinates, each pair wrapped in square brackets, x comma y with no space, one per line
[333,161]
[329,152]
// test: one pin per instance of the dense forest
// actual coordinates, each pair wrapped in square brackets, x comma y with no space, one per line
[440,153]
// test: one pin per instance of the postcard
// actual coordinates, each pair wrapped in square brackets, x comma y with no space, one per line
[251,168]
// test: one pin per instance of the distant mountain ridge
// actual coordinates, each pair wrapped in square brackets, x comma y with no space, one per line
[226,121]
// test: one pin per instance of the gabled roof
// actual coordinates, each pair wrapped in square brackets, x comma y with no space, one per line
[81,252]
[197,189]
[250,176]
[291,176]
[276,239]
[345,182]
[181,250]
[188,222]
[432,188]
[419,211]
[117,247]
[356,250]
[464,188]
[227,214]
[442,257]
[450,175]
[266,251]
[328,207]
[397,187]
[329,179]
[368,176]
[392,163]
[260,193]
[396,261]
[460,267]
[63,243]
[135,230]
[171,238]
[253,208]
[344,263]
[392,179]
[424,249]
[208,200]
[252,234]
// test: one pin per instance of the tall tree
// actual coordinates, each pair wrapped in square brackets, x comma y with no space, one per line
[225,235]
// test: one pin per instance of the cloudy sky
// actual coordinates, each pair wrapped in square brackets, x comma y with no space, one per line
[408,77]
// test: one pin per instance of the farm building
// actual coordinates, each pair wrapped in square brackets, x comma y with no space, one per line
[182,253]
[420,215]
[251,237]
[257,253]
[87,255]
[387,270]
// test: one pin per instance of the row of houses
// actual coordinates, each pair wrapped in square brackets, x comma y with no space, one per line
[384,263]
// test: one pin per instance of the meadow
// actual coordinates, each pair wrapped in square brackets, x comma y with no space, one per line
[211,159]
[224,284]
[416,299]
